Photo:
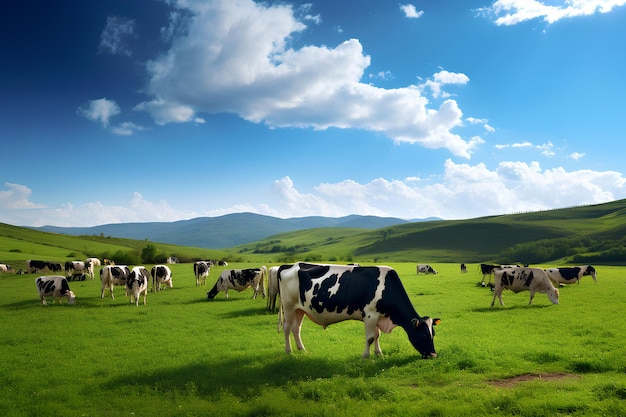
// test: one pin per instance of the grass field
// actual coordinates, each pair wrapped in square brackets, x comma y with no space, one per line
[181,355]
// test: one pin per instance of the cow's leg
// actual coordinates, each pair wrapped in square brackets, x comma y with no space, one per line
[145,293]
[532,295]
[295,328]
[226,292]
[372,334]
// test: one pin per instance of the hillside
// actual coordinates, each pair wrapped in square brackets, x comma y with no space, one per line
[223,231]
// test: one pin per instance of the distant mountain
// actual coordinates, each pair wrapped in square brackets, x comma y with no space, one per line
[224,231]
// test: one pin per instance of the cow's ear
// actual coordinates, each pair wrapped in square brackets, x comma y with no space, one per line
[415,322]
[436,321]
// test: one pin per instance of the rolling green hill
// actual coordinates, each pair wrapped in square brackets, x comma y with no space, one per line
[585,234]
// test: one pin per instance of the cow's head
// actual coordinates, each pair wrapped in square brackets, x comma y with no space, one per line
[71,298]
[590,270]
[553,295]
[422,334]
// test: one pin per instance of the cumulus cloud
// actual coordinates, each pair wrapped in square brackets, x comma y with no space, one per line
[410,11]
[115,35]
[237,57]
[576,155]
[460,191]
[100,110]
[511,12]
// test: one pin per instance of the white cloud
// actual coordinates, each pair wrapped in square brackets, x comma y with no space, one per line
[461,191]
[511,12]
[126,129]
[576,155]
[237,57]
[443,78]
[113,38]
[410,11]
[100,110]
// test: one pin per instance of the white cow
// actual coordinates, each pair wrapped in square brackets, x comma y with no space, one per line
[570,275]
[137,284]
[523,279]
[78,269]
[55,286]
[201,270]
[94,261]
[5,268]
[161,274]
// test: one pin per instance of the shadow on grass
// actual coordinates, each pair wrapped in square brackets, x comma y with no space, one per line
[498,307]
[239,376]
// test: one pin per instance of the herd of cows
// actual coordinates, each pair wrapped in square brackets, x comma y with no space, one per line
[325,293]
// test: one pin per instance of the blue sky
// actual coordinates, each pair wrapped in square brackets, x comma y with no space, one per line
[134,111]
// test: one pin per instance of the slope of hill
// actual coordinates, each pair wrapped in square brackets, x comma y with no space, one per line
[223,231]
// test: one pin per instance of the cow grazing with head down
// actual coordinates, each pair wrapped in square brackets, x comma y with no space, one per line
[161,274]
[239,280]
[425,269]
[111,275]
[570,275]
[33,266]
[78,269]
[523,279]
[328,294]
[463,269]
[55,286]
[137,284]
[5,268]
[201,270]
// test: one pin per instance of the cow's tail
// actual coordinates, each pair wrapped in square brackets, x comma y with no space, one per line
[264,274]
[281,317]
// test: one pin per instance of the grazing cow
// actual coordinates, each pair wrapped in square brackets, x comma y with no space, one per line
[94,262]
[106,261]
[78,269]
[328,294]
[425,269]
[201,270]
[463,269]
[272,288]
[55,266]
[239,280]
[161,274]
[523,279]
[5,268]
[172,260]
[111,275]
[33,266]
[137,284]
[55,286]
[565,275]
[487,270]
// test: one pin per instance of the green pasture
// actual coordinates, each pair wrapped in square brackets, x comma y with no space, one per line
[181,355]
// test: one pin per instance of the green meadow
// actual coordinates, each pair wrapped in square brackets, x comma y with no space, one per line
[181,355]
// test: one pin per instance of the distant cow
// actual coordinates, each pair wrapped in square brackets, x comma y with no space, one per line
[111,275]
[94,261]
[329,294]
[137,284]
[463,269]
[239,280]
[487,270]
[523,279]
[565,275]
[172,260]
[78,269]
[54,266]
[5,268]
[425,269]
[201,270]
[272,288]
[161,274]
[55,286]
[33,266]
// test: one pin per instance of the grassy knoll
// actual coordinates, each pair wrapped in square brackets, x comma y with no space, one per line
[183,356]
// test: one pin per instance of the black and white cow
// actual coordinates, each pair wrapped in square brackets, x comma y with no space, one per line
[94,261]
[161,274]
[425,269]
[55,286]
[570,275]
[328,294]
[487,270]
[5,268]
[111,275]
[523,279]
[201,270]
[78,269]
[172,260]
[33,266]
[137,284]
[55,266]
[463,269]
[239,280]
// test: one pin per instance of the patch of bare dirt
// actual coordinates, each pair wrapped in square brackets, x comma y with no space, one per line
[514,380]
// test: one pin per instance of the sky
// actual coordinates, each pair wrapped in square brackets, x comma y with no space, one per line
[151,110]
